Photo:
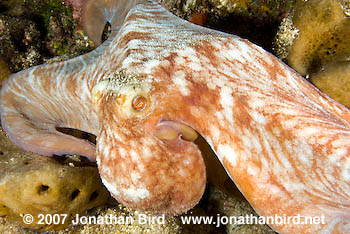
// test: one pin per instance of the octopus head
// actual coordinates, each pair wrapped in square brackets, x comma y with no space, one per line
[147,162]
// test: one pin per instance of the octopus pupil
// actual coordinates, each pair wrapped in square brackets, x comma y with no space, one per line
[139,103]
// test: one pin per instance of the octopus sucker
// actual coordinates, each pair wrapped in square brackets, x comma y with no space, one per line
[282,141]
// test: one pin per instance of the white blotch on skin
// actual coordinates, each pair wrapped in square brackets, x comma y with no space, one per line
[217,45]
[290,110]
[140,167]
[264,173]
[289,146]
[322,140]
[339,151]
[289,123]
[226,69]
[135,177]
[191,55]
[310,131]
[284,161]
[273,189]
[226,151]
[346,170]
[122,152]
[258,117]
[128,61]
[136,193]
[246,140]
[220,116]
[133,144]
[215,132]
[195,66]
[265,163]
[179,61]
[293,186]
[135,44]
[253,170]
[216,81]
[257,102]
[134,156]
[111,188]
[149,65]
[98,161]
[179,78]
[146,152]
[258,68]
[339,143]
[335,158]
[211,85]
[188,52]
[276,150]
[181,172]
[306,153]
[187,162]
[116,135]
[210,142]
[257,145]
[276,131]
[242,48]
[227,102]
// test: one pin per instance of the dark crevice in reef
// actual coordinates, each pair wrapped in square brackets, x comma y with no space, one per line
[259,31]
[93,196]
[43,189]
[75,194]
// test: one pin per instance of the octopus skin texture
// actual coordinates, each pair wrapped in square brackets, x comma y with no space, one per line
[154,84]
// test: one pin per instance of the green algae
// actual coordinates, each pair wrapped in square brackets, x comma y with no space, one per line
[48,8]
[34,31]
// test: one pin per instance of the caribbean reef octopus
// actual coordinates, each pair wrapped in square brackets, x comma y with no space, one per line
[157,82]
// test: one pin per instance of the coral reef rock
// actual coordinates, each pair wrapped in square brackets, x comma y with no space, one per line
[34,184]
[131,221]
[284,38]
[232,210]
[4,71]
[32,32]
[19,42]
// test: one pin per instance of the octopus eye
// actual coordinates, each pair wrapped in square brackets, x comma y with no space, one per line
[139,103]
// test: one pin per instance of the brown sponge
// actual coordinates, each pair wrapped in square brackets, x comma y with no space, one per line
[34,184]
[323,29]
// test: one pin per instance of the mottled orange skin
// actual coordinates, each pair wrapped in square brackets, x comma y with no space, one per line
[171,192]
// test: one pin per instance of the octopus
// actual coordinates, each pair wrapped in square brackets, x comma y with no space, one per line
[155,84]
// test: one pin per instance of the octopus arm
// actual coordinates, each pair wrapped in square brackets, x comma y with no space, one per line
[35,102]
[283,142]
